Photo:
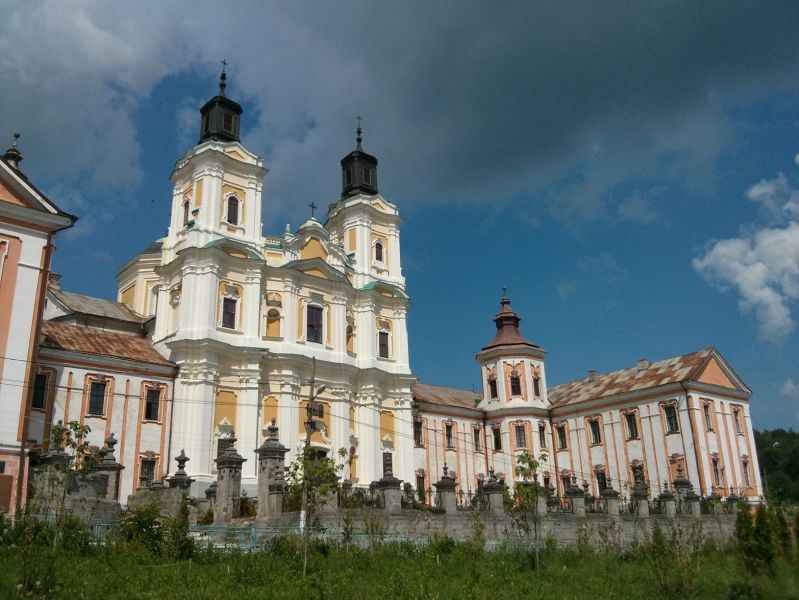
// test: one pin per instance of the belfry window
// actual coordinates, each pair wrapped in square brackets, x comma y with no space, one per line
[233,210]
[382,337]
[537,386]
[227,121]
[515,385]
[186,212]
[379,251]
[492,388]
[314,324]
[367,176]
[348,177]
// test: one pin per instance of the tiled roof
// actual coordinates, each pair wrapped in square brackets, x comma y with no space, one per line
[672,370]
[97,307]
[444,396]
[101,343]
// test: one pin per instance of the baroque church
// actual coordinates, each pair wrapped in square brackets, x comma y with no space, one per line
[219,330]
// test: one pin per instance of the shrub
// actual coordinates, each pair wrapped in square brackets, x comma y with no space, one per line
[177,544]
[142,526]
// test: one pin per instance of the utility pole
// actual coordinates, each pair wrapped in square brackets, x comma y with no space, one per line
[310,425]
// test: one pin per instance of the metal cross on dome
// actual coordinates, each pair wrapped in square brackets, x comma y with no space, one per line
[313,208]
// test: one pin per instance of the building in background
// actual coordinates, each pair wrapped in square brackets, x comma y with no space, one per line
[29,222]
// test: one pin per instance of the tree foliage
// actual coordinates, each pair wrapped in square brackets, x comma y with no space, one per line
[778,454]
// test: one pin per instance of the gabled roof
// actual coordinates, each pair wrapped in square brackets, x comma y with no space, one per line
[305,265]
[99,307]
[444,396]
[84,340]
[704,366]
[15,183]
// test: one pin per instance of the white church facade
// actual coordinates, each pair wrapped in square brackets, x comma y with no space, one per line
[218,330]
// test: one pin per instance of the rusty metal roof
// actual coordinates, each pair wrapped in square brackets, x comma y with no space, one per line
[444,396]
[672,370]
[99,307]
[75,338]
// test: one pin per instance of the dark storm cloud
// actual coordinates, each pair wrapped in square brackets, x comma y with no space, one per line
[476,102]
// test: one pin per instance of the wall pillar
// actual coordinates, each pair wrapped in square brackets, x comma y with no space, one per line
[228,485]
[446,491]
[271,465]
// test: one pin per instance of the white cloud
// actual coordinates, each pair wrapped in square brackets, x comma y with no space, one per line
[790,389]
[763,263]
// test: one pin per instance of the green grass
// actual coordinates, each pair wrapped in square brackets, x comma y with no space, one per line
[390,571]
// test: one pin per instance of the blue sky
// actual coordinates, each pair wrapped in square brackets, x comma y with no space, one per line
[630,174]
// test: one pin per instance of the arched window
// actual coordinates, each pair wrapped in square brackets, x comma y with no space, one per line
[379,251]
[186,212]
[384,339]
[273,323]
[350,339]
[233,210]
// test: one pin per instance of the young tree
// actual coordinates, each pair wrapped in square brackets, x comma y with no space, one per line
[524,512]
[316,478]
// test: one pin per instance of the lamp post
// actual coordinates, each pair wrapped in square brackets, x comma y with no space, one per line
[310,424]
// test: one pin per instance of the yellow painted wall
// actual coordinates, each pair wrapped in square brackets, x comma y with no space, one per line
[300,317]
[273,323]
[198,193]
[313,248]
[270,410]
[127,295]
[225,407]
[387,424]
[315,272]
[352,240]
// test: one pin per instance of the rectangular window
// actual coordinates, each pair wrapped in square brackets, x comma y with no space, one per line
[317,410]
[521,437]
[40,392]
[736,415]
[561,429]
[497,432]
[478,446]
[314,328]
[745,467]
[152,404]
[601,481]
[382,338]
[420,488]
[348,177]
[596,434]
[537,386]
[229,313]
[672,424]
[2,467]
[367,176]
[418,433]
[227,121]
[542,436]
[708,416]
[515,385]
[716,471]
[448,432]
[632,426]
[492,388]
[97,398]
[147,474]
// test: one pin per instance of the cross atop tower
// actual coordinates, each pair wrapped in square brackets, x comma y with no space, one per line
[358,137]
[313,208]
